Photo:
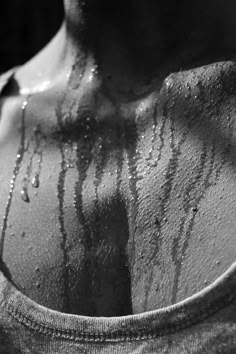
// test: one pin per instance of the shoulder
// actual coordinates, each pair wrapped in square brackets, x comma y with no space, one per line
[210,85]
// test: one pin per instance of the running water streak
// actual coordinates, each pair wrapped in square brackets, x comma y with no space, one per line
[24,191]
[37,138]
[131,139]
[206,183]
[84,151]
[84,158]
[154,132]
[61,195]
[161,138]
[100,161]
[63,115]
[120,161]
[38,151]
[19,159]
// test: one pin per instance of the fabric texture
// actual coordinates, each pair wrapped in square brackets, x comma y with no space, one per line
[203,323]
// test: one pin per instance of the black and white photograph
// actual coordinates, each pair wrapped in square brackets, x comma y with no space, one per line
[118,177]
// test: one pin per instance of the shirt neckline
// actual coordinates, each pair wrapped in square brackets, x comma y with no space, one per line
[146,325]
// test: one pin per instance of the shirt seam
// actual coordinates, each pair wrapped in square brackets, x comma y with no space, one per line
[118,336]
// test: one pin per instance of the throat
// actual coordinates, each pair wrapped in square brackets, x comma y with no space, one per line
[132,44]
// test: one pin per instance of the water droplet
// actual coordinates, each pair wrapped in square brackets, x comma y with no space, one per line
[141,255]
[24,104]
[154,163]
[24,195]
[35,181]
[94,70]
[169,82]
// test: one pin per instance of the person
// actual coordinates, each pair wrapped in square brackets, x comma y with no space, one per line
[117,184]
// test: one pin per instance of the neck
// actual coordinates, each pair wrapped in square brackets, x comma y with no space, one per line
[135,44]
[141,35]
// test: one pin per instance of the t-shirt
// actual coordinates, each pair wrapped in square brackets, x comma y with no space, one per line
[202,323]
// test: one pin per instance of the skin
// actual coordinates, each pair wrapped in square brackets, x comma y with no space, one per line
[135,207]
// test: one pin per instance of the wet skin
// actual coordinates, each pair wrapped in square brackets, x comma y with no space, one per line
[119,207]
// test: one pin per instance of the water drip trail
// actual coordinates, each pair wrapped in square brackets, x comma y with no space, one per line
[162,141]
[120,161]
[24,191]
[62,177]
[61,195]
[101,158]
[78,203]
[84,157]
[171,169]
[206,184]
[84,149]
[154,131]
[38,137]
[19,159]
[131,139]
[38,151]
[161,132]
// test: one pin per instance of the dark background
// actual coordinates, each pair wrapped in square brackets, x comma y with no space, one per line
[25,27]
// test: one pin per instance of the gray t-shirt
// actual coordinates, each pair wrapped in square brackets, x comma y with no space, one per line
[203,323]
